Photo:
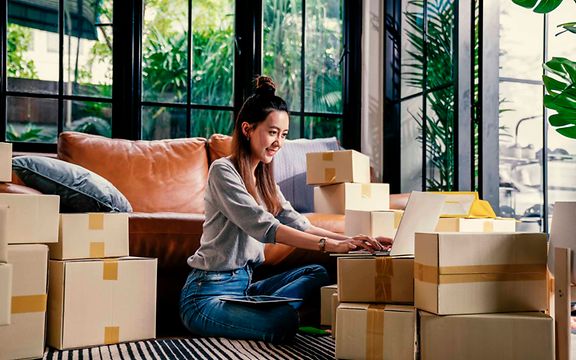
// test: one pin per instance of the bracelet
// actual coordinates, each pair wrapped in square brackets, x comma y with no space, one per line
[322,244]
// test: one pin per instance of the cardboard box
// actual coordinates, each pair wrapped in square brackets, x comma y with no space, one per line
[376,279]
[24,337]
[3,233]
[372,223]
[467,273]
[116,300]
[333,167]
[5,293]
[523,336]
[32,218]
[94,235]
[336,199]
[476,225]
[334,306]
[326,293]
[368,331]
[5,162]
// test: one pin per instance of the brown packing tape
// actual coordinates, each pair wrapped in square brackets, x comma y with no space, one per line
[467,278]
[111,335]
[327,156]
[96,221]
[97,249]
[375,332]
[329,175]
[426,273]
[366,191]
[110,270]
[488,226]
[383,279]
[397,218]
[29,304]
[482,273]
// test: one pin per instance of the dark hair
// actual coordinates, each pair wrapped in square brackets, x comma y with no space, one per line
[254,111]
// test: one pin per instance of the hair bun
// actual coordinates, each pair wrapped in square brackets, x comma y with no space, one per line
[265,85]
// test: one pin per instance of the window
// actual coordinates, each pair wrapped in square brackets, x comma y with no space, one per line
[65,84]
[303,51]
[172,68]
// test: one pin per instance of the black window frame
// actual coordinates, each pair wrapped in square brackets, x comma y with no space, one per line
[126,85]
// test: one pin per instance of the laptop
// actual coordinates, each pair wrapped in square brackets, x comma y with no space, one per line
[421,215]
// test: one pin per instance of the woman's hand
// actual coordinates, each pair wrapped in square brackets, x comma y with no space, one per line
[358,242]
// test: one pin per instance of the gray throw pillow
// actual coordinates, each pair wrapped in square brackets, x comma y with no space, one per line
[290,170]
[80,190]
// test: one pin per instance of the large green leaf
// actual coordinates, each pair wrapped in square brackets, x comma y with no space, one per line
[560,87]
[543,7]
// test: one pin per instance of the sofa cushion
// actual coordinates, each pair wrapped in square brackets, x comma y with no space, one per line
[80,190]
[155,176]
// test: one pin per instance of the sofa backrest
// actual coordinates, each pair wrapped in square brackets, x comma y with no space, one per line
[289,166]
[155,176]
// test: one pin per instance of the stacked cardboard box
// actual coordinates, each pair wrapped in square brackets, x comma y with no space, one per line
[470,290]
[90,269]
[344,183]
[465,212]
[28,222]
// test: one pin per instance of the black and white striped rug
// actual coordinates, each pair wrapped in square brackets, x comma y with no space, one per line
[305,347]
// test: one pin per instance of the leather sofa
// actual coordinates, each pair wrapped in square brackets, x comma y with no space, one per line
[165,180]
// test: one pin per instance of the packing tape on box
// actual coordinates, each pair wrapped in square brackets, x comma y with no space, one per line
[488,226]
[383,279]
[479,273]
[327,156]
[111,335]
[375,332]
[397,218]
[97,249]
[366,191]
[110,270]
[329,175]
[95,221]
[29,304]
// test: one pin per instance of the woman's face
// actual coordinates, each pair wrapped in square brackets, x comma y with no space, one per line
[268,136]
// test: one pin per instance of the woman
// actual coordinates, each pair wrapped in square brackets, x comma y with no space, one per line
[244,210]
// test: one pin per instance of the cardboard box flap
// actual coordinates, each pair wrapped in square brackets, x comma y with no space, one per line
[458,203]
[400,308]
[354,306]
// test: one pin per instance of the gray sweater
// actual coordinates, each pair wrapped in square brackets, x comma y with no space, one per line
[236,226]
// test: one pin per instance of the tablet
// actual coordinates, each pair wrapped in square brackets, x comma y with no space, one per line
[259,299]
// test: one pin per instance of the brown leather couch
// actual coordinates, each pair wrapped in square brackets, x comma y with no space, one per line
[164,181]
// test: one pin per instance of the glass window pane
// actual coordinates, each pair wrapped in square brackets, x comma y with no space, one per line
[31,65]
[520,154]
[208,122]
[323,85]
[88,53]
[294,131]
[282,49]
[319,127]
[165,51]
[213,59]
[440,63]
[412,48]
[411,145]
[32,119]
[160,122]
[88,117]
[439,140]
[562,45]
[521,42]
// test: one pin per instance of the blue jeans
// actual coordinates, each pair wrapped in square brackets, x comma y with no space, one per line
[203,313]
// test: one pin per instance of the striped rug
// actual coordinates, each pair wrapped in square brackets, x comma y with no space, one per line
[305,347]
